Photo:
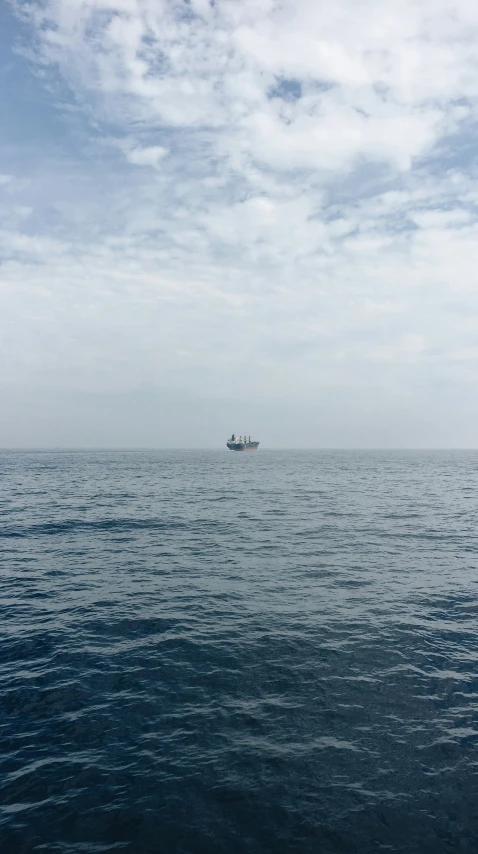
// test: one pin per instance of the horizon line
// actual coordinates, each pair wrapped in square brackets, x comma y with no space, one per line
[112,448]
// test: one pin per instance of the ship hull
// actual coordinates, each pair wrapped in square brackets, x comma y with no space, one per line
[238,447]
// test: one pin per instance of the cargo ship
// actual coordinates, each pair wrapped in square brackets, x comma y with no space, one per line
[241,443]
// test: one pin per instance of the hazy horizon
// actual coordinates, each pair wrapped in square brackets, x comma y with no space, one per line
[92,450]
[253,216]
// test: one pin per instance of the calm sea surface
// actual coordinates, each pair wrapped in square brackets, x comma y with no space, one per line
[208,653]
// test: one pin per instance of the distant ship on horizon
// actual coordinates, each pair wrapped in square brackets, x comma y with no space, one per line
[241,443]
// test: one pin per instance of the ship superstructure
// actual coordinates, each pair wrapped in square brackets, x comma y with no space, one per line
[241,443]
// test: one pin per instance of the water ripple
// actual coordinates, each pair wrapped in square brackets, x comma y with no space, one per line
[209,652]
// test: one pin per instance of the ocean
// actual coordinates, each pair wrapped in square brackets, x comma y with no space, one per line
[205,652]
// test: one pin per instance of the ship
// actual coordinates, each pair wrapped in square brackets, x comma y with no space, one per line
[241,443]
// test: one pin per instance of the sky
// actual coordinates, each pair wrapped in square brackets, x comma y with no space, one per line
[255,216]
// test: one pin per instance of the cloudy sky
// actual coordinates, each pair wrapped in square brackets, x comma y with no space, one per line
[249,215]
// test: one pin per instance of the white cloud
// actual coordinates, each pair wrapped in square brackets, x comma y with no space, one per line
[307,198]
[151,155]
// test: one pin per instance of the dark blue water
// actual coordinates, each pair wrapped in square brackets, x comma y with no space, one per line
[207,652]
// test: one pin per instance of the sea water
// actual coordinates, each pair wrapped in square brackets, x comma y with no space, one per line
[209,652]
